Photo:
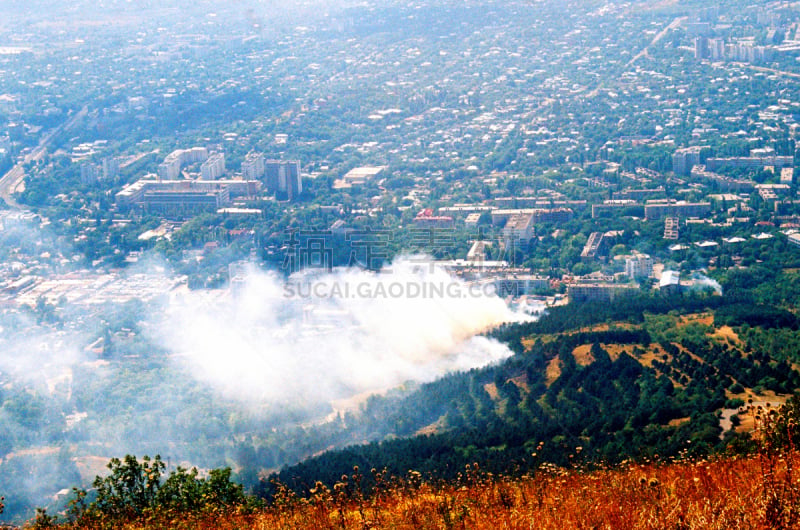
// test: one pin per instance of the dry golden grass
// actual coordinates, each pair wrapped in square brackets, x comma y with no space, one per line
[615,350]
[583,355]
[727,334]
[553,371]
[677,422]
[654,352]
[735,492]
[706,319]
[435,427]
[619,324]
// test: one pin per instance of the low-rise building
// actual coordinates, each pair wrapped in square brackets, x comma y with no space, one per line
[670,282]
[538,215]
[751,162]
[593,245]
[358,176]
[599,292]
[612,207]
[174,202]
[520,284]
[722,182]
[660,209]
[472,219]
[639,194]
[183,197]
[426,218]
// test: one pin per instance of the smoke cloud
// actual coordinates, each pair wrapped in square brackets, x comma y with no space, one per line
[704,281]
[323,337]
[186,373]
[41,360]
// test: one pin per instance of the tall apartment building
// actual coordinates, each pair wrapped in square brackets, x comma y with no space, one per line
[685,158]
[719,50]
[283,178]
[110,167]
[194,155]
[701,49]
[170,168]
[253,167]
[518,230]
[89,173]
[716,49]
[214,167]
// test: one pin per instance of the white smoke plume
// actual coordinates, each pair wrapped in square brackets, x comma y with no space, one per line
[704,281]
[336,334]
[42,359]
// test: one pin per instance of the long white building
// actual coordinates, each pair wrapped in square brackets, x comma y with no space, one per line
[170,168]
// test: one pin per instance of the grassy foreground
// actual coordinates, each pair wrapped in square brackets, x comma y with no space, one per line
[728,493]
[756,491]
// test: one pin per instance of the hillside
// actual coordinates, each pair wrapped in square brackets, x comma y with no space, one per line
[726,493]
[755,491]
[601,396]
[645,379]
[750,485]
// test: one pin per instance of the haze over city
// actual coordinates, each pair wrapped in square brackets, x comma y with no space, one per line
[284,239]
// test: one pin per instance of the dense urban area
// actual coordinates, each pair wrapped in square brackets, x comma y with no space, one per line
[634,159]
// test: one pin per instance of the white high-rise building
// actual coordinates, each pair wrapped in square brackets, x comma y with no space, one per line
[639,266]
[684,159]
[253,167]
[110,167]
[214,167]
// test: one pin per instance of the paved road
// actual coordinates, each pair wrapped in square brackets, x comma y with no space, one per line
[768,70]
[9,183]
[14,177]
[661,34]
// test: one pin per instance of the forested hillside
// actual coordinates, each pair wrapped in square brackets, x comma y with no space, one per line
[649,377]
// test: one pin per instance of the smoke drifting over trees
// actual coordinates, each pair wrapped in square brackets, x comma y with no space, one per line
[335,334]
[192,373]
